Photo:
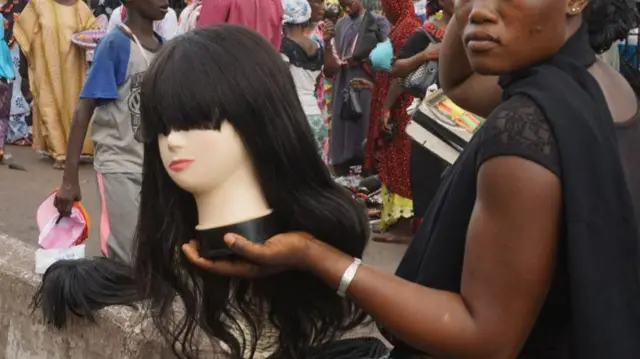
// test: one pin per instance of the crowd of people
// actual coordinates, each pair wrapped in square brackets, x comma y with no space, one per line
[526,247]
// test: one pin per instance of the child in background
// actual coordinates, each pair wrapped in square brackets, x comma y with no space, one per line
[111,94]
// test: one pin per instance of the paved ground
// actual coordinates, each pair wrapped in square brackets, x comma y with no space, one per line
[22,192]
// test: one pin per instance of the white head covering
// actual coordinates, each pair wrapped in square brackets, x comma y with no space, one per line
[296,11]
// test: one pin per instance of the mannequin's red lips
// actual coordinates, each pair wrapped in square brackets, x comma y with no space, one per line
[179,165]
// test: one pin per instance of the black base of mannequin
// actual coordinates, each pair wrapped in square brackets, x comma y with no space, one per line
[258,230]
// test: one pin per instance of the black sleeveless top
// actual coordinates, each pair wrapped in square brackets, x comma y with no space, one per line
[516,127]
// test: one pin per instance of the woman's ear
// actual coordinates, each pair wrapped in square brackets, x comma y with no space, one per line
[576,7]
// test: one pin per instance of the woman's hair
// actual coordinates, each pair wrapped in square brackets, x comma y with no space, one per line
[609,21]
[197,81]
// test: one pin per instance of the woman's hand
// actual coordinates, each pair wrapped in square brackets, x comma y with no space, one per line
[282,252]
[360,83]
[432,52]
[384,121]
[329,31]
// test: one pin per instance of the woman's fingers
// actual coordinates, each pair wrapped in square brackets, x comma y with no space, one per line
[231,268]
[247,249]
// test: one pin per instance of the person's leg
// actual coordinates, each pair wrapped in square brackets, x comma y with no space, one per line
[120,195]
[319,130]
[4,125]
[5,111]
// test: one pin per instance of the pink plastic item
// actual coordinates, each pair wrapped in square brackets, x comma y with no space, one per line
[68,232]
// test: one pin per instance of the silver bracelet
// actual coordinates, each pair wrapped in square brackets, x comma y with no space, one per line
[348,276]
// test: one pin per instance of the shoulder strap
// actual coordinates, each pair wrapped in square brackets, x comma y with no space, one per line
[126,29]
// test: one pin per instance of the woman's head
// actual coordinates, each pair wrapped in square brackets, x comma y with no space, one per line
[254,97]
[505,35]
[317,10]
[296,13]
[396,10]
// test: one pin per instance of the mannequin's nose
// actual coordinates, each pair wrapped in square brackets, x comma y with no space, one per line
[176,140]
[483,11]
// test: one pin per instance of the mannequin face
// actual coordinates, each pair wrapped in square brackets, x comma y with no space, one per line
[200,161]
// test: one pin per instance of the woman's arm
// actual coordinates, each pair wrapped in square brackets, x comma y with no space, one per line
[396,88]
[403,67]
[473,92]
[331,65]
[508,268]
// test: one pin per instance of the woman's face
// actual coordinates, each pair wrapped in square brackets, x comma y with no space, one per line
[501,36]
[317,10]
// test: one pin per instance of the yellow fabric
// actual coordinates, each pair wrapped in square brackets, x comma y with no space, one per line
[56,69]
[394,207]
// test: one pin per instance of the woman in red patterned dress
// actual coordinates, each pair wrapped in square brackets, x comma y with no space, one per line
[389,150]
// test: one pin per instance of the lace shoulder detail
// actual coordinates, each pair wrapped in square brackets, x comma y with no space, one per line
[519,128]
[298,57]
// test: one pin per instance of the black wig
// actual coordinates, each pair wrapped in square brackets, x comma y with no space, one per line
[197,81]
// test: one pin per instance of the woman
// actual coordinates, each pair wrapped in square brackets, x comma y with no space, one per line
[388,149]
[56,69]
[305,59]
[503,265]
[18,133]
[481,94]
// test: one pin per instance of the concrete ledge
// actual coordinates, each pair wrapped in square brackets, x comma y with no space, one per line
[120,332]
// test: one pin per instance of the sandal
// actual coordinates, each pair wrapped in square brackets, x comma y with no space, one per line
[58,165]
[23,142]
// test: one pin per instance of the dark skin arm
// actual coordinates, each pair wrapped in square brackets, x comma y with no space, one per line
[331,65]
[508,269]
[70,189]
[24,73]
[476,93]
[403,67]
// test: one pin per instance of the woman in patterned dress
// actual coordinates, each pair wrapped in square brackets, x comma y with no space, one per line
[387,150]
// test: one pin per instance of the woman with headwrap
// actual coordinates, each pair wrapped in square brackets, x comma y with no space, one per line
[388,146]
[305,59]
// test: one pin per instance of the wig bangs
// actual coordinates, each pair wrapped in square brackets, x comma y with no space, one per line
[177,94]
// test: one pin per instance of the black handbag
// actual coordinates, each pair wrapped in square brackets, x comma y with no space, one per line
[351,109]
[369,35]
[418,81]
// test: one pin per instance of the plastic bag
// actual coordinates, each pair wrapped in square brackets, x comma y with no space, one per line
[381,56]
[65,232]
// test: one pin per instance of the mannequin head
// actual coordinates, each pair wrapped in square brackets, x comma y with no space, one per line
[236,117]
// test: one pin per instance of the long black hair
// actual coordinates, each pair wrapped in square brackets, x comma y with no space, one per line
[198,81]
